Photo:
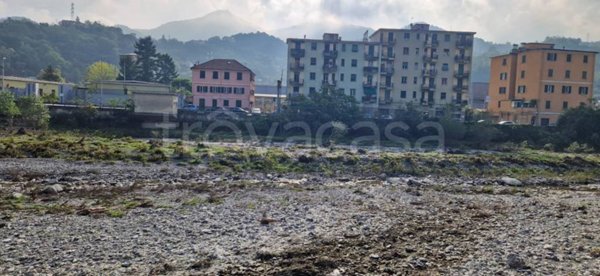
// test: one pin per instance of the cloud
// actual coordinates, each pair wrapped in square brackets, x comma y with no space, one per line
[498,20]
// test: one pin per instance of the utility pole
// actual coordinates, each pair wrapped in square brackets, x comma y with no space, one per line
[279,93]
[3,61]
[72,11]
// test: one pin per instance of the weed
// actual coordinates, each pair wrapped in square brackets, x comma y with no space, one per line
[115,213]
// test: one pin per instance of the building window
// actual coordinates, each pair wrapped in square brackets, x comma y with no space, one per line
[444,81]
[584,75]
[354,48]
[566,89]
[565,105]
[583,90]
[343,62]
[202,74]
[416,51]
[343,47]
[354,63]
[407,36]
[568,74]
[499,104]
[585,59]
[551,57]
[568,57]
[414,94]
[202,103]
[313,46]
[523,59]
[521,89]
[198,88]
[341,77]
[445,67]
[226,76]
[215,75]
[405,51]
[312,90]
[403,94]
[502,90]
[415,80]
[550,73]
[296,89]
[353,92]
[522,74]
[239,76]
[404,65]
[446,37]
[443,95]
[404,80]
[503,76]
[313,76]
[544,122]
[549,88]
[313,61]
[238,103]
[214,103]
[548,104]
[353,77]
[225,103]
[503,62]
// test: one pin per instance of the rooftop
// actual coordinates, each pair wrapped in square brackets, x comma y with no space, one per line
[222,64]
[12,78]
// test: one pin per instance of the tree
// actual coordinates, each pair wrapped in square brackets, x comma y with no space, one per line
[128,69]
[182,86]
[50,74]
[581,125]
[8,107]
[167,71]
[326,106]
[100,71]
[33,111]
[146,59]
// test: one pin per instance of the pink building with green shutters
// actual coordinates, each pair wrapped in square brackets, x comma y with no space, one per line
[223,83]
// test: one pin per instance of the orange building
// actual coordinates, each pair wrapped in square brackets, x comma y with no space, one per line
[535,83]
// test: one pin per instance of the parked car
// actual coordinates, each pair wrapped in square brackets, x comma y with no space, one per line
[190,107]
[256,110]
[506,123]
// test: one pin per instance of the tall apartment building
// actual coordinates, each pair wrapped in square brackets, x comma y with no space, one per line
[389,70]
[535,83]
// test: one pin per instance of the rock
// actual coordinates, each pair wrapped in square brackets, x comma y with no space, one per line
[374,256]
[510,181]
[412,182]
[17,196]
[126,264]
[335,272]
[305,159]
[53,189]
[515,262]
[383,176]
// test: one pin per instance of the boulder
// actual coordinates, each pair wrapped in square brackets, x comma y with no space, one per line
[510,181]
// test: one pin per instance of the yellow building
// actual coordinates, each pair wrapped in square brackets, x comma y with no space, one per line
[535,83]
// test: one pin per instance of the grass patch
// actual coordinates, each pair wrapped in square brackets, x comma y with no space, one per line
[115,213]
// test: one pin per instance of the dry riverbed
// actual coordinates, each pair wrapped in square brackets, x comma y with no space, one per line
[75,217]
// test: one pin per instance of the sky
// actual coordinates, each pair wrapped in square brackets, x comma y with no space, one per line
[494,20]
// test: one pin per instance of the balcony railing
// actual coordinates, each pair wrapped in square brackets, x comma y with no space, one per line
[464,43]
[432,43]
[370,70]
[367,84]
[428,87]
[296,67]
[329,84]
[462,59]
[387,86]
[330,54]
[389,56]
[386,101]
[293,82]
[387,71]
[460,88]
[388,42]
[430,59]
[369,99]
[429,73]
[463,74]
[297,53]
[371,56]
[329,68]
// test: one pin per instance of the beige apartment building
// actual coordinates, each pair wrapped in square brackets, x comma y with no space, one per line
[535,83]
[388,70]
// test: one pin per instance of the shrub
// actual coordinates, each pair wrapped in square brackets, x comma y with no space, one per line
[33,112]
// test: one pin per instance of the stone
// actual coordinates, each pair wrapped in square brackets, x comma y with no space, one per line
[515,262]
[17,195]
[53,189]
[511,181]
[305,159]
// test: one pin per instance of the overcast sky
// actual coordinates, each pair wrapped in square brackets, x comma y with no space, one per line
[496,20]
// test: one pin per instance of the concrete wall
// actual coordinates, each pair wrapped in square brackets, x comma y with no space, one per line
[151,103]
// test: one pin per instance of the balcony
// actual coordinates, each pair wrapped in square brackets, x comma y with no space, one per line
[386,101]
[459,74]
[369,99]
[430,59]
[370,70]
[296,67]
[388,56]
[462,59]
[369,91]
[431,43]
[329,68]
[464,43]
[387,86]
[387,71]
[428,87]
[297,53]
[367,84]
[371,56]
[429,73]
[297,82]
[329,84]
[461,88]
[388,42]
[330,54]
